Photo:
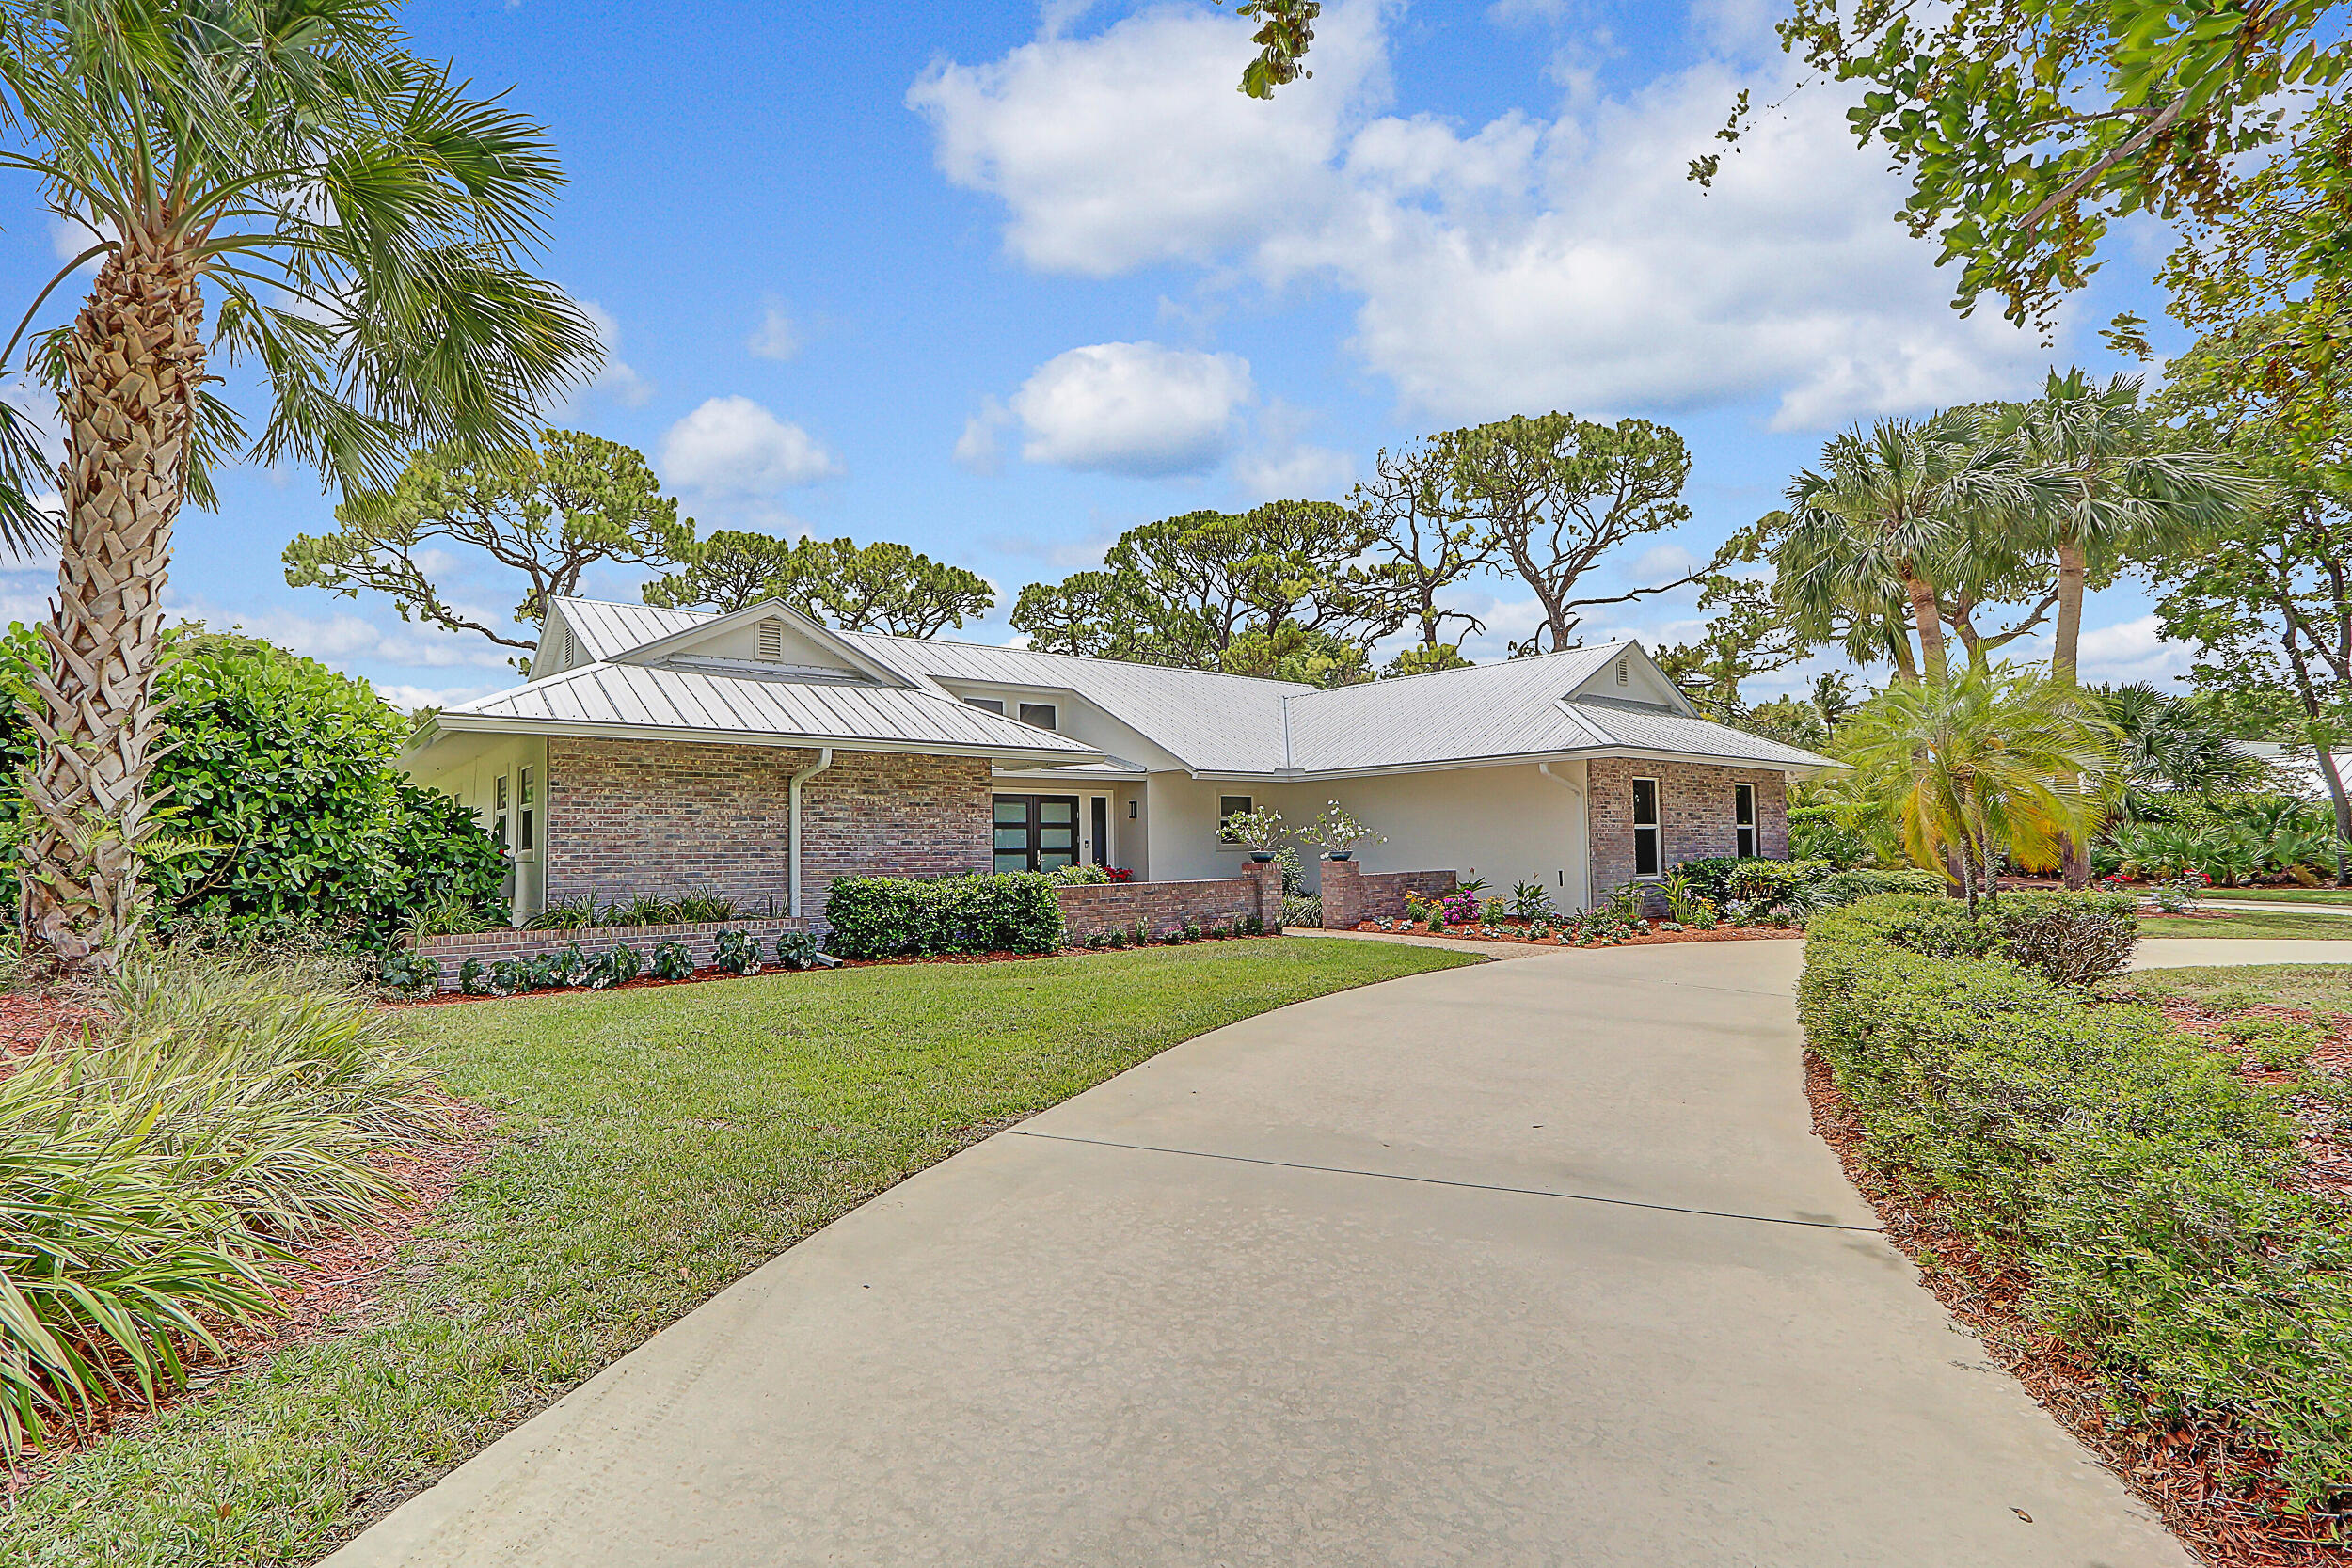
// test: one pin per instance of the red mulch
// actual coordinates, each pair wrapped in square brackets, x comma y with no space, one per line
[28,1018]
[2212,1487]
[1721,934]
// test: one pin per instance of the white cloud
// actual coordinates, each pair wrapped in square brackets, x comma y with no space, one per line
[1280,465]
[775,336]
[977,449]
[413,697]
[616,380]
[1524,265]
[2131,651]
[1131,408]
[731,446]
[343,638]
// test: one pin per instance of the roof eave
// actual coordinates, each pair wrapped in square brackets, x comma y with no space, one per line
[592,730]
[1513,759]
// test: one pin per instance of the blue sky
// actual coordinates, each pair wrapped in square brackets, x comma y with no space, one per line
[999,282]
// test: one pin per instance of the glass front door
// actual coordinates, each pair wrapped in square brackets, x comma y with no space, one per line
[1036,833]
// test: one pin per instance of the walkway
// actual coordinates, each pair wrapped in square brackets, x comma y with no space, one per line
[1529,1263]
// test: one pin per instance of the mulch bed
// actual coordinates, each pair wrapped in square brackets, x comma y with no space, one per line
[2214,1488]
[1721,934]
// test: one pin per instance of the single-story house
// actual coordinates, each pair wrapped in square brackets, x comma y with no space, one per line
[760,755]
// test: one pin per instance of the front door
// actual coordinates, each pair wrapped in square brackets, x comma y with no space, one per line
[1036,833]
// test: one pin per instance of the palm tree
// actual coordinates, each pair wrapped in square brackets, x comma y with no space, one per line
[2111,480]
[348,221]
[1991,762]
[1888,507]
[1833,581]
[2170,745]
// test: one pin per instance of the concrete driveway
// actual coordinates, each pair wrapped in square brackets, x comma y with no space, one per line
[1529,1263]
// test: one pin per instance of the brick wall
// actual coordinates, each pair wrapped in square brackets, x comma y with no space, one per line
[1164,907]
[450,952]
[1351,894]
[1694,812]
[664,816]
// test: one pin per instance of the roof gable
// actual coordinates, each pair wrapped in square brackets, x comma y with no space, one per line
[767,637]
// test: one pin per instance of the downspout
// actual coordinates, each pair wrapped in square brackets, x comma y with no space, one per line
[1584,820]
[824,760]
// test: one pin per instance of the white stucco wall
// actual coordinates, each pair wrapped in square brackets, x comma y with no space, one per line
[1505,824]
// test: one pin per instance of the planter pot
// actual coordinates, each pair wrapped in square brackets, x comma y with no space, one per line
[1261,856]
[1339,855]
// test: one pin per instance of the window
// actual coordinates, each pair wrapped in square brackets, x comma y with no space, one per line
[1102,855]
[1743,814]
[1035,832]
[767,641]
[1229,807]
[530,798]
[994,705]
[1040,714]
[1645,846]
[498,810]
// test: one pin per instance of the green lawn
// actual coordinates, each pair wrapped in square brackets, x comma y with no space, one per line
[2340,895]
[2251,922]
[656,1144]
[2323,988]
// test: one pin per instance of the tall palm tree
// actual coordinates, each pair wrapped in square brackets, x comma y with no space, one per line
[1833,581]
[1991,762]
[275,183]
[1890,506]
[2112,479]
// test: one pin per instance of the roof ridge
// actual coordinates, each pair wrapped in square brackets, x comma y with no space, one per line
[625,604]
[1290,688]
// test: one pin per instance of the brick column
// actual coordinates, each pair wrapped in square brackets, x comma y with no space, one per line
[1268,876]
[1342,895]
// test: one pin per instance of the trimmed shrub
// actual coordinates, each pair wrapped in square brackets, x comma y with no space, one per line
[669,961]
[2148,1193]
[891,917]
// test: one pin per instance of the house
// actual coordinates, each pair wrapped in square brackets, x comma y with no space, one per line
[760,755]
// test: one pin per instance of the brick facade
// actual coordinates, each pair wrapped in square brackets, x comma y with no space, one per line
[666,816]
[1163,907]
[1694,814]
[450,952]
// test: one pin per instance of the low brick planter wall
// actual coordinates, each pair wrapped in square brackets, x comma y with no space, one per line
[450,952]
[1351,894]
[1090,909]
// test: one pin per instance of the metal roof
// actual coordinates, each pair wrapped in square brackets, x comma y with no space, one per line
[1211,722]
[1214,723]
[719,706]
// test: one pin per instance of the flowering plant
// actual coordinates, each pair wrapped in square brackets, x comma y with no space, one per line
[1336,831]
[1256,830]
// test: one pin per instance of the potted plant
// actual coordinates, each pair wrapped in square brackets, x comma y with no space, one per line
[1336,831]
[1259,831]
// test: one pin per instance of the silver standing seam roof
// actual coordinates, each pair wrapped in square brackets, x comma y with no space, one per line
[1213,723]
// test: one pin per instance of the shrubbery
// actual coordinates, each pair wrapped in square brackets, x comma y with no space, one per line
[1795,888]
[2149,1193]
[893,917]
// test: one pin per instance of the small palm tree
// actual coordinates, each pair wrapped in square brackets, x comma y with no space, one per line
[274,182]
[2111,479]
[1991,762]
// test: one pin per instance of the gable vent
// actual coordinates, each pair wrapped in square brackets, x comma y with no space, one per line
[1622,661]
[767,641]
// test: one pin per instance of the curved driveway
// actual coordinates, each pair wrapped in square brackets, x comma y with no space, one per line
[1525,1263]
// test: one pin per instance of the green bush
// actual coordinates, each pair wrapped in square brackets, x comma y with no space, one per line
[889,917]
[1304,908]
[671,962]
[1814,833]
[2146,1191]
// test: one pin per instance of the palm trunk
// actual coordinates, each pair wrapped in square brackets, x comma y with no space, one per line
[1929,622]
[134,360]
[2074,572]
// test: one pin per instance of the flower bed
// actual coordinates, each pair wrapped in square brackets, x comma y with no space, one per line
[1649,934]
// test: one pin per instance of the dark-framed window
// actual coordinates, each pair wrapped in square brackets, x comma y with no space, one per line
[1743,817]
[1647,859]
[1033,832]
[994,705]
[1040,714]
[1102,829]
[1229,807]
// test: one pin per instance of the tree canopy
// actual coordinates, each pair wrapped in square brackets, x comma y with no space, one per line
[545,512]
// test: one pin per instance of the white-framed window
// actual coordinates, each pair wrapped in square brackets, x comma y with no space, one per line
[1649,858]
[1743,817]
[498,812]
[1040,714]
[529,801]
[992,705]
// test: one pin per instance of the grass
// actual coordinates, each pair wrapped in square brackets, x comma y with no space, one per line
[2338,896]
[656,1145]
[2322,988]
[2251,922]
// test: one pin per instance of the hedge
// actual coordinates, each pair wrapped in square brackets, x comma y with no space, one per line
[894,917]
[2145,1189]
[1795,886]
